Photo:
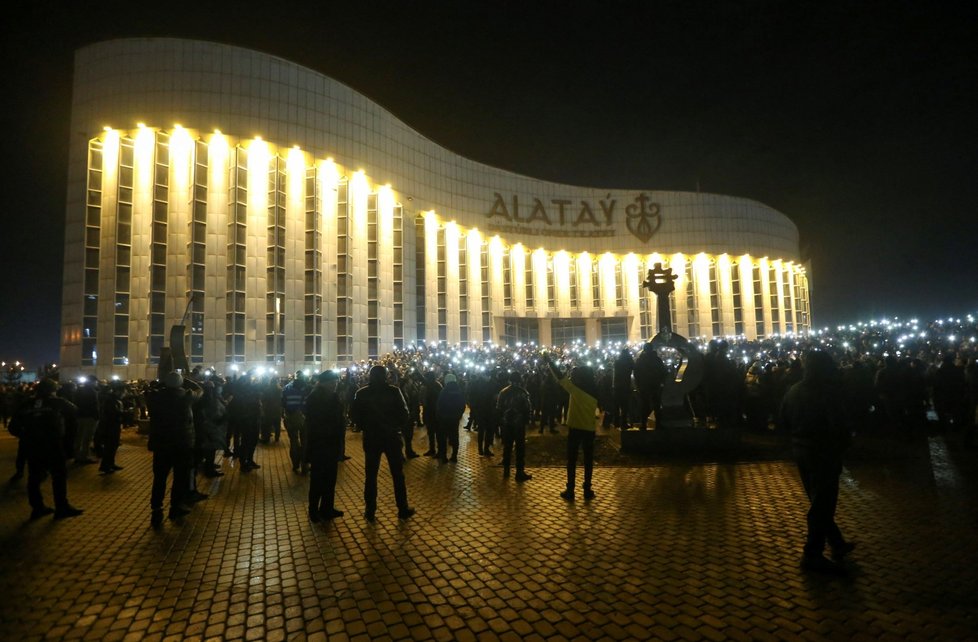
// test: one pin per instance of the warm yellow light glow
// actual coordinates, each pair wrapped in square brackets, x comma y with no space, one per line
[606,270]
[329,174]
[143,157]
[538,261]
[562,281]
[181,146]
[295,171]
[632,276]
[585,286]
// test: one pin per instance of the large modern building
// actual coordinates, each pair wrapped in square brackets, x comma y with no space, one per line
[305,226]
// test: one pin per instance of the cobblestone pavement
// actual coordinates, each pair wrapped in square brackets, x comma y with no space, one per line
[664,552]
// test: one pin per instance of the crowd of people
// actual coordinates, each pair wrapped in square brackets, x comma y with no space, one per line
[896,377]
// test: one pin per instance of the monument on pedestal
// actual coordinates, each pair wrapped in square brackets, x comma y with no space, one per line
[674,429]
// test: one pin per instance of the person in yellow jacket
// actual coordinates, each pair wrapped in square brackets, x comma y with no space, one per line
[583,390]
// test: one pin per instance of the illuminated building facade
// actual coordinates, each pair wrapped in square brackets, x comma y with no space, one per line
[306,226]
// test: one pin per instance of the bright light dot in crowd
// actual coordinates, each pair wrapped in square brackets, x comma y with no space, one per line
[81,379]
[951,338]
[972,339]
[845,344]
[115,377]
[306,372]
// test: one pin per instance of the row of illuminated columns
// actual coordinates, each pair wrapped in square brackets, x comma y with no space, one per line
[714,295]
[240,329]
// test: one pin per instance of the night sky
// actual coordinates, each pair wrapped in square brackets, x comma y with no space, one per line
[858,120]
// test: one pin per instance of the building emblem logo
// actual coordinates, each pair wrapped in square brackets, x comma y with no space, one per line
[642,218]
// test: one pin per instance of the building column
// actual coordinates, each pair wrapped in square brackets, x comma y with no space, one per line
[545,331]
[473,278]
[385,269]
[496,287]
[701,281]
[592,331]
[142,221]
[763,270]
[328,179]
[746,266]
[108,254]
[295,253]
[779,280]
[681,321]
[430,276]
[257,251]
[561,261]
[215,304]
[585,284]
[453,317]
[359,194]
[631,275]
[517,273]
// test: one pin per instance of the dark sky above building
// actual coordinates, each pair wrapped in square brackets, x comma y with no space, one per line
[858,120]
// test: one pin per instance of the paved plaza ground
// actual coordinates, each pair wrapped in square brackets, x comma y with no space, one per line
[666,551]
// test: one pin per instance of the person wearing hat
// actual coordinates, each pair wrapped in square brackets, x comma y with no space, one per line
[451,407]
[514,409]
[324,428]
[171,440]
[42,424]
[380,413]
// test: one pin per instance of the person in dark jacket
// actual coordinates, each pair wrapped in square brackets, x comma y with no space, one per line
[514,409]
[244,420]
[109,428]
[325,425]
[293,397]
[380,413]
[432,390]
[451,407]
[87,402]
[624,365]
[171,440]
[41,424]
[813,414]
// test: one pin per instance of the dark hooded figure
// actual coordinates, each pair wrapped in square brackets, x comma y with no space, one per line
[380,413]
[325,424]
[42,423]
[813,413]
[451,407]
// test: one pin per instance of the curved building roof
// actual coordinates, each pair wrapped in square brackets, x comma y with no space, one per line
[245,93]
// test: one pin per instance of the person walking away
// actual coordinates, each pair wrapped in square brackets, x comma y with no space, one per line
[109,428]
[271,405]
[325,425]
[813,414]
[380,413]
[87,402]
[451,407]
[581,388]
[514,409]
[171,440]
[293,397]
[41,424]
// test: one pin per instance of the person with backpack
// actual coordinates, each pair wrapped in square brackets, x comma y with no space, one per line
[42,425]
[514,409]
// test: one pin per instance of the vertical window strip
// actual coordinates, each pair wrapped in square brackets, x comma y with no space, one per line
[373,279]
[158,248]
[717,326]
[738,303]
[398,277]
[198,253]
[484,285]
[419,278]
[344,277]
[275,263]
[236,257]
[93,222]
[123,270]
[313,302]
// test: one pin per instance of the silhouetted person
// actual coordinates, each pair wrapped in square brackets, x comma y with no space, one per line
[87,401]
[380,412]
[650,376]
[244,419]
[582,390]
[325,426]
[813,412]
[293,397]
[624,365]
[171,440]
[42,424]
[451,407]
[271,407]
[432,389]
[109,428]
[514,409]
